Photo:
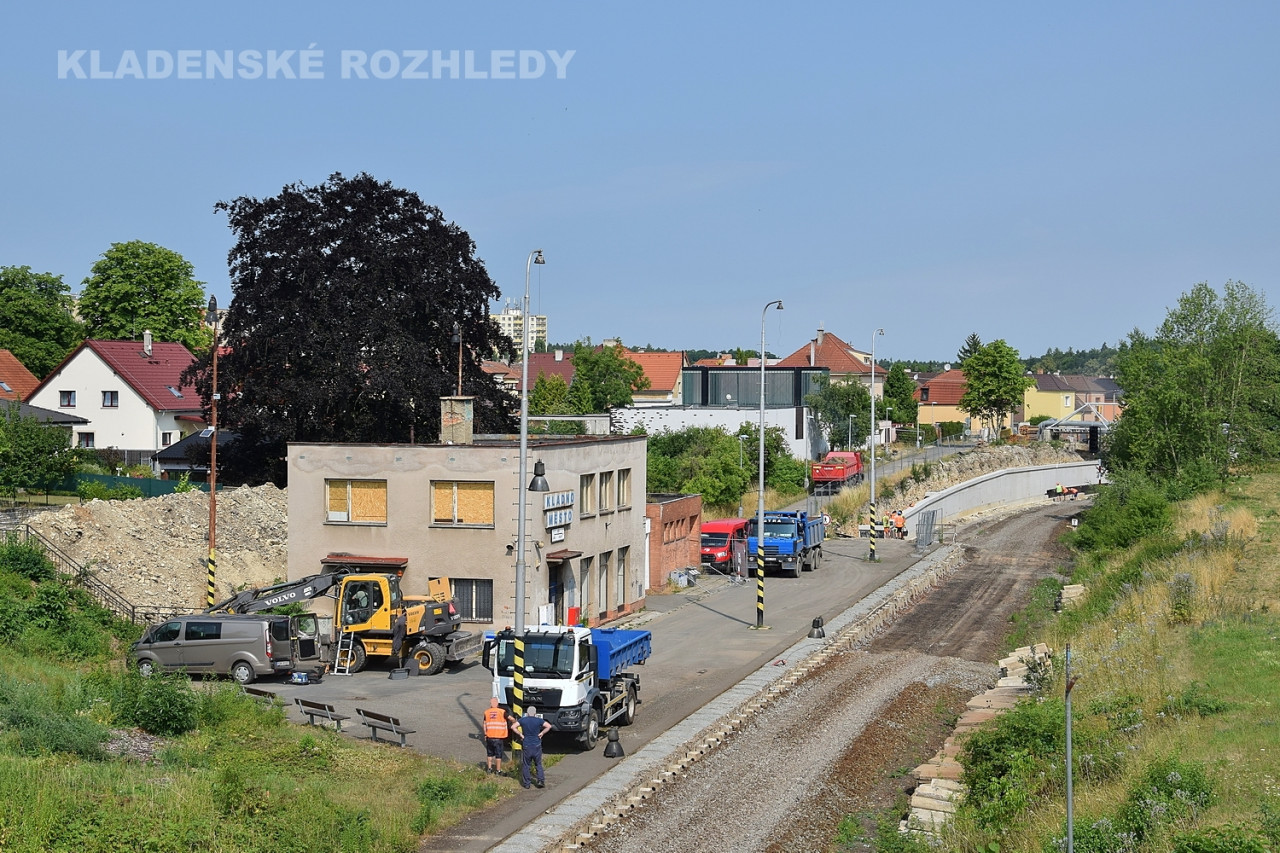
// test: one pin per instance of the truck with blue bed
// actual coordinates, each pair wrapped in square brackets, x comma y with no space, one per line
[792,542]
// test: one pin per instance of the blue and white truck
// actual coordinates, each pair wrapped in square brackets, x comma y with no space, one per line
[578,678]
[792,542]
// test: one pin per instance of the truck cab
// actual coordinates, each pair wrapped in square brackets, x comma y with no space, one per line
[724,545]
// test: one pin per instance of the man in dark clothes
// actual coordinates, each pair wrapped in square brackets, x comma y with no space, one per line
[531,728]
[398,632]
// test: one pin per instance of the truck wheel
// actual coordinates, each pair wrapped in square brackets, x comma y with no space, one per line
[430,658]
[629,707]
[817,559]
[242,672]
[358,657]
[795,570]
[591,734]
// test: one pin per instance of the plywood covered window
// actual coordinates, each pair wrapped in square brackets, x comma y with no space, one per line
[462,503]
[356,501]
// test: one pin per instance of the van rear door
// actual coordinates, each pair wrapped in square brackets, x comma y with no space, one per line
[306,637]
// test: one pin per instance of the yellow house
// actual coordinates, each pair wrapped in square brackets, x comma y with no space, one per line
[939,398]
[1057,396]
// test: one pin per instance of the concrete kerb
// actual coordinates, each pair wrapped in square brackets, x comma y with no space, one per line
[635,779]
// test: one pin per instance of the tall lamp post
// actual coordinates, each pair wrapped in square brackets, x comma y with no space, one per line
[872,555]
[760,505]
[213,458]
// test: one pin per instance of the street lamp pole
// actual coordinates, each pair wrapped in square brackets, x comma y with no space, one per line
[872,555]
[760,504]
[213,460]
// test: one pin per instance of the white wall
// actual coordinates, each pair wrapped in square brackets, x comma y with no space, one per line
[131,426]
[676,418]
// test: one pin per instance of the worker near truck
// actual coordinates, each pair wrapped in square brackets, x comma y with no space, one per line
[495,735]
[531,728]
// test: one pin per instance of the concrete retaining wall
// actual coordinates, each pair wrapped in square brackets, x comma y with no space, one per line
[1008,487]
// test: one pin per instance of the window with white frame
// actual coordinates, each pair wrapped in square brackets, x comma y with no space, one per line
[624,487]
[622,577]
[66,399]
[474,597]
[110,399]
[462,503]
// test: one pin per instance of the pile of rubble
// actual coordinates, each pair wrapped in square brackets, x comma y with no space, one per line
[971,464]
[153,551]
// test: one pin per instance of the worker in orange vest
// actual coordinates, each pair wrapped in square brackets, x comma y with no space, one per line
[899,524]
[495,735]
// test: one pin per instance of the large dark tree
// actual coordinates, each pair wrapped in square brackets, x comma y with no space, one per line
[341,326]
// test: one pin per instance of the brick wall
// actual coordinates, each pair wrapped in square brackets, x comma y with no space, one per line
[674,535]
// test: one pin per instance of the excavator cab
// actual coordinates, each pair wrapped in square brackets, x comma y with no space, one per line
[364,597]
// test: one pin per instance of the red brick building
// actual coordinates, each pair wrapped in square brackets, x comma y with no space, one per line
[675,535]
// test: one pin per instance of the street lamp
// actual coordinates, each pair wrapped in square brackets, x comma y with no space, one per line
[850,445]
[872,555]
[760,505]
[741,440]
[213,457]
[535,257]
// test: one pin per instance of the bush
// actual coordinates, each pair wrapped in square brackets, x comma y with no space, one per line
[161,704]
[1220,839]
[32,723]
[1169,790]
[93,490]
[1125,512]
[25,559]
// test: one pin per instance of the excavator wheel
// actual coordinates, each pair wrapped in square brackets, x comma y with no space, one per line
[358,656]
[430,658]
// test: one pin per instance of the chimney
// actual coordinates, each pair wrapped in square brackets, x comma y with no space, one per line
[559,355]
[821,334]
[813,353]
[146,343]
[457,420]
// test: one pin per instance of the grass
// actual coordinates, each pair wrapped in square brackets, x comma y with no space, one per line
[1176,651]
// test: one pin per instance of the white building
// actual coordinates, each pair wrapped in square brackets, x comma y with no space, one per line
[511,323]
[130,392]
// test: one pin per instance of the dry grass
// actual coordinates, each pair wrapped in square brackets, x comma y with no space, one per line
[773,499]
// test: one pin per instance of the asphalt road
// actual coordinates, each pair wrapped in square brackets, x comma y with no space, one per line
[704,642]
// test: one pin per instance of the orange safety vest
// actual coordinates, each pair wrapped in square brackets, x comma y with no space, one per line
[899,521]
[495,722]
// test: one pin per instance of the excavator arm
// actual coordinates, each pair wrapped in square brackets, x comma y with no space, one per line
[279,595]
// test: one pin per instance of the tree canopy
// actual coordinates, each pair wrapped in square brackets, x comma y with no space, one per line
[1199,394]
[137,286]
[345,299]
[36,323]
[995,383]
[33,454]
[609,375]
[719,465]
[899,392]
[971,345]
[843,412]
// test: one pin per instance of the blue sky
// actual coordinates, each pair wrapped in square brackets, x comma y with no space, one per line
[1048,175]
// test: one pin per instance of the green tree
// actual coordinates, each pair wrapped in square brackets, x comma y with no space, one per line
[580,400]
[608,374]
[340,329]
[33,454]
[994,383]
[843,412]
[137,286]
[550,396]
[36,323]
[899,392]
[972,344]
[1200,393]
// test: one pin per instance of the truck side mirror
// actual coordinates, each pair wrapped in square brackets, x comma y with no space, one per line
[593,656]
[484,653]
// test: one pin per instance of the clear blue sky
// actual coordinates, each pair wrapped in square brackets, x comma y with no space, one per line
[1051,174]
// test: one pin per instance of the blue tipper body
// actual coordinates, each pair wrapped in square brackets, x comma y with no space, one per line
[792,539]
[619,648]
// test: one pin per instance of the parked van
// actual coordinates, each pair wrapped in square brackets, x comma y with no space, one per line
[724,545]
[244,647]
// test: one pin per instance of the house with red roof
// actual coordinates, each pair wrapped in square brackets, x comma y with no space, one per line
[939,398]
[16,382]
[664,370]
[845,363]
[130,392]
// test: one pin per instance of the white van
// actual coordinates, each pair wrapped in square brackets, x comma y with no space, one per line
[244,647]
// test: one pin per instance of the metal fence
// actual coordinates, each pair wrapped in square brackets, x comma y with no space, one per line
[925,523]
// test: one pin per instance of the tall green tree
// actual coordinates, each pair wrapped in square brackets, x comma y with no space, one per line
[995,383]
[33,454]
[36,322]
[843,412]
[970,348]
[550,396]
[899,392]
[137,286]
[609,375]
[1199,394]
[345,299]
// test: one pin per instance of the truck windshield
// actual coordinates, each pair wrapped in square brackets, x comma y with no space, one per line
[546,657]
[715,540]
[773,529]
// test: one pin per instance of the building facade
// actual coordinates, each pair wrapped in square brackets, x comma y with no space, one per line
[451,511]
[511,323]
[675,538]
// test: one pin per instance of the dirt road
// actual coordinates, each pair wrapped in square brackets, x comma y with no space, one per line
[838,743]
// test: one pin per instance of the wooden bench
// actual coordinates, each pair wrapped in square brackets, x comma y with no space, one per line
[266,697]
[320,709]
[376,721]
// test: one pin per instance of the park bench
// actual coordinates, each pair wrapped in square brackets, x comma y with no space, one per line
[376,721]
[266,697]
[320,709]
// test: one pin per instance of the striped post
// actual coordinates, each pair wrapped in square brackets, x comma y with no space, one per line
[213,567]
[760,578]
[517,686]
[871,528]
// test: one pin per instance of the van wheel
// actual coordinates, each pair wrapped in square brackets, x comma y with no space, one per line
[588,739]
[430,658]
[147,668]
[242,672]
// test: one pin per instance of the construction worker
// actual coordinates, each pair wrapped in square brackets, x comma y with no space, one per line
[887,524]
[495,735]
[1060,492]
[899,524]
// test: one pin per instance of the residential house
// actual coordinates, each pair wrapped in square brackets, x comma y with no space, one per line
[556,363]
[1089,398]
[190,456]
[449,510]
[16,382]
[511,323]
[131,393]
[939,398]
[664,372]
[844,363]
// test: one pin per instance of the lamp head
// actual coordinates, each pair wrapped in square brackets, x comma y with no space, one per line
[457,333]
[537,257]
[212,316]
[539,481]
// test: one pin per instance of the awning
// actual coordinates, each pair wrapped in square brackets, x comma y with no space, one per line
[562,555]
[396,565]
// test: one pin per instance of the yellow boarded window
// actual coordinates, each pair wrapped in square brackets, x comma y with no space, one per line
[462,503]
[356,501]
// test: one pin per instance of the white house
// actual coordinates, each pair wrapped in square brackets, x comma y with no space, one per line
[130,392]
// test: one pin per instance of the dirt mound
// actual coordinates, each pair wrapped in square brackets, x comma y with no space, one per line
[153,550]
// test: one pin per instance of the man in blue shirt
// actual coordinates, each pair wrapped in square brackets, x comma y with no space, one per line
[531,728]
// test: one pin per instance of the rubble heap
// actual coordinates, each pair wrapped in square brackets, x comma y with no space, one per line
[153,550]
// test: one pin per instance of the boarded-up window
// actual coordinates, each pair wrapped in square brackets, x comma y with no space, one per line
[356,501]
[465,503]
